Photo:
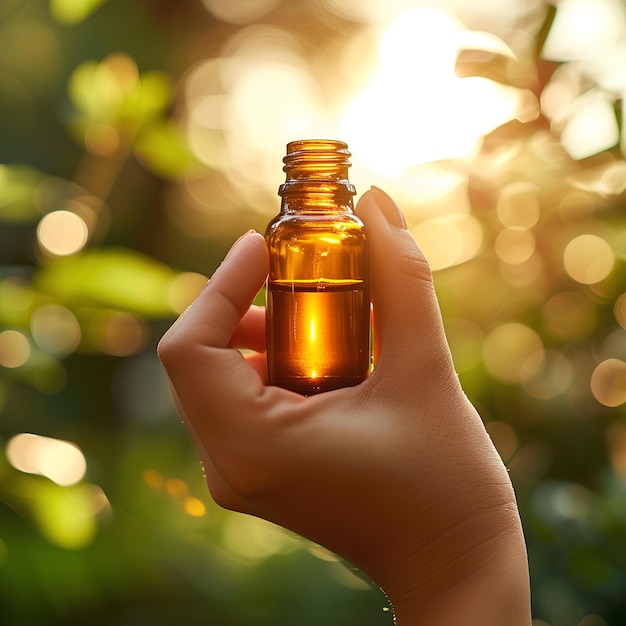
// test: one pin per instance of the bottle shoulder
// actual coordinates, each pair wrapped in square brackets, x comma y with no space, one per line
[315,223]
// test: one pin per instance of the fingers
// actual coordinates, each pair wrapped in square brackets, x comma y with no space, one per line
[195,352]
[250,332]
[219,488]
[408,324]
[217,312]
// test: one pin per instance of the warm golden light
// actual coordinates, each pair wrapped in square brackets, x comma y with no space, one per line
[176,488]
[608,382]
[513,352]
[102,140]
[515,246]
[584,28]
[62,233]
[450,239]
[619,310]
[588,259]
[242,11]
[60,461]
[14,349]
[153,479]
[592,126]
[194,507]
[184,289]
[416,109]
[518,206]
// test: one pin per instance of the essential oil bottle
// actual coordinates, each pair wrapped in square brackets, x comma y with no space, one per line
[318,297]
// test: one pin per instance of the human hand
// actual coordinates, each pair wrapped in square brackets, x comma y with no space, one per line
[397,474]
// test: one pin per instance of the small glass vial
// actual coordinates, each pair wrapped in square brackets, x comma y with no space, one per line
[318,297]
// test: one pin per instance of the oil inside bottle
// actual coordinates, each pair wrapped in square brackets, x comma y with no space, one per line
[321,333]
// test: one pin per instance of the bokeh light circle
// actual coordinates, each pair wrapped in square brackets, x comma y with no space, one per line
[60,461]
[512,352]
[608,382]
[240,11]
[62,233]
[569,316]
[449,240]
[14,349]
[514,246]
[588,259]
[518,206]
[55,329]
[619,310]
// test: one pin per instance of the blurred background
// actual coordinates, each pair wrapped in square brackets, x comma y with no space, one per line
[139,139]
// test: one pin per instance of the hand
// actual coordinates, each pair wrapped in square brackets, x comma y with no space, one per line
[397,474]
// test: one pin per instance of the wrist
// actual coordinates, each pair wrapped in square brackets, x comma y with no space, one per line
[494,592]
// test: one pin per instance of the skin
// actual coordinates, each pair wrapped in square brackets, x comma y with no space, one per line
[397,474]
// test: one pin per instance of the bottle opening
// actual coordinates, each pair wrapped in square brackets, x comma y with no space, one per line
[315,161]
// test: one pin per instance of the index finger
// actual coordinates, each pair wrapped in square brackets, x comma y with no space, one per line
[194,351]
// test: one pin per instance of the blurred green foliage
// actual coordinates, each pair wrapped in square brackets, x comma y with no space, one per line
[103,242]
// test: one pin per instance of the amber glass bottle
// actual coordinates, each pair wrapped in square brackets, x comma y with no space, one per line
[318,300]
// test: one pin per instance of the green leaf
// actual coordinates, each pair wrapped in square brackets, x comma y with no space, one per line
[113,92]
[64,515]
[148,99]
[17,189]
[73,11]
[117,278]
[96,92]
[162,149]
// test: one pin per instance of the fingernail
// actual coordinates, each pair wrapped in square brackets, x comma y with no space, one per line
[236,244]
[248,232]
[388,206]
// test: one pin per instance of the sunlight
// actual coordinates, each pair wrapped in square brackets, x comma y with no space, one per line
[584,27]
[416,109]
[592,126]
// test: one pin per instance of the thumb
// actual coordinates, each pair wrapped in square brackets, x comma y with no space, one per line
[409,331]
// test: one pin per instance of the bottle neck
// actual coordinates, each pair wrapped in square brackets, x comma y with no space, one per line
[316,176]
